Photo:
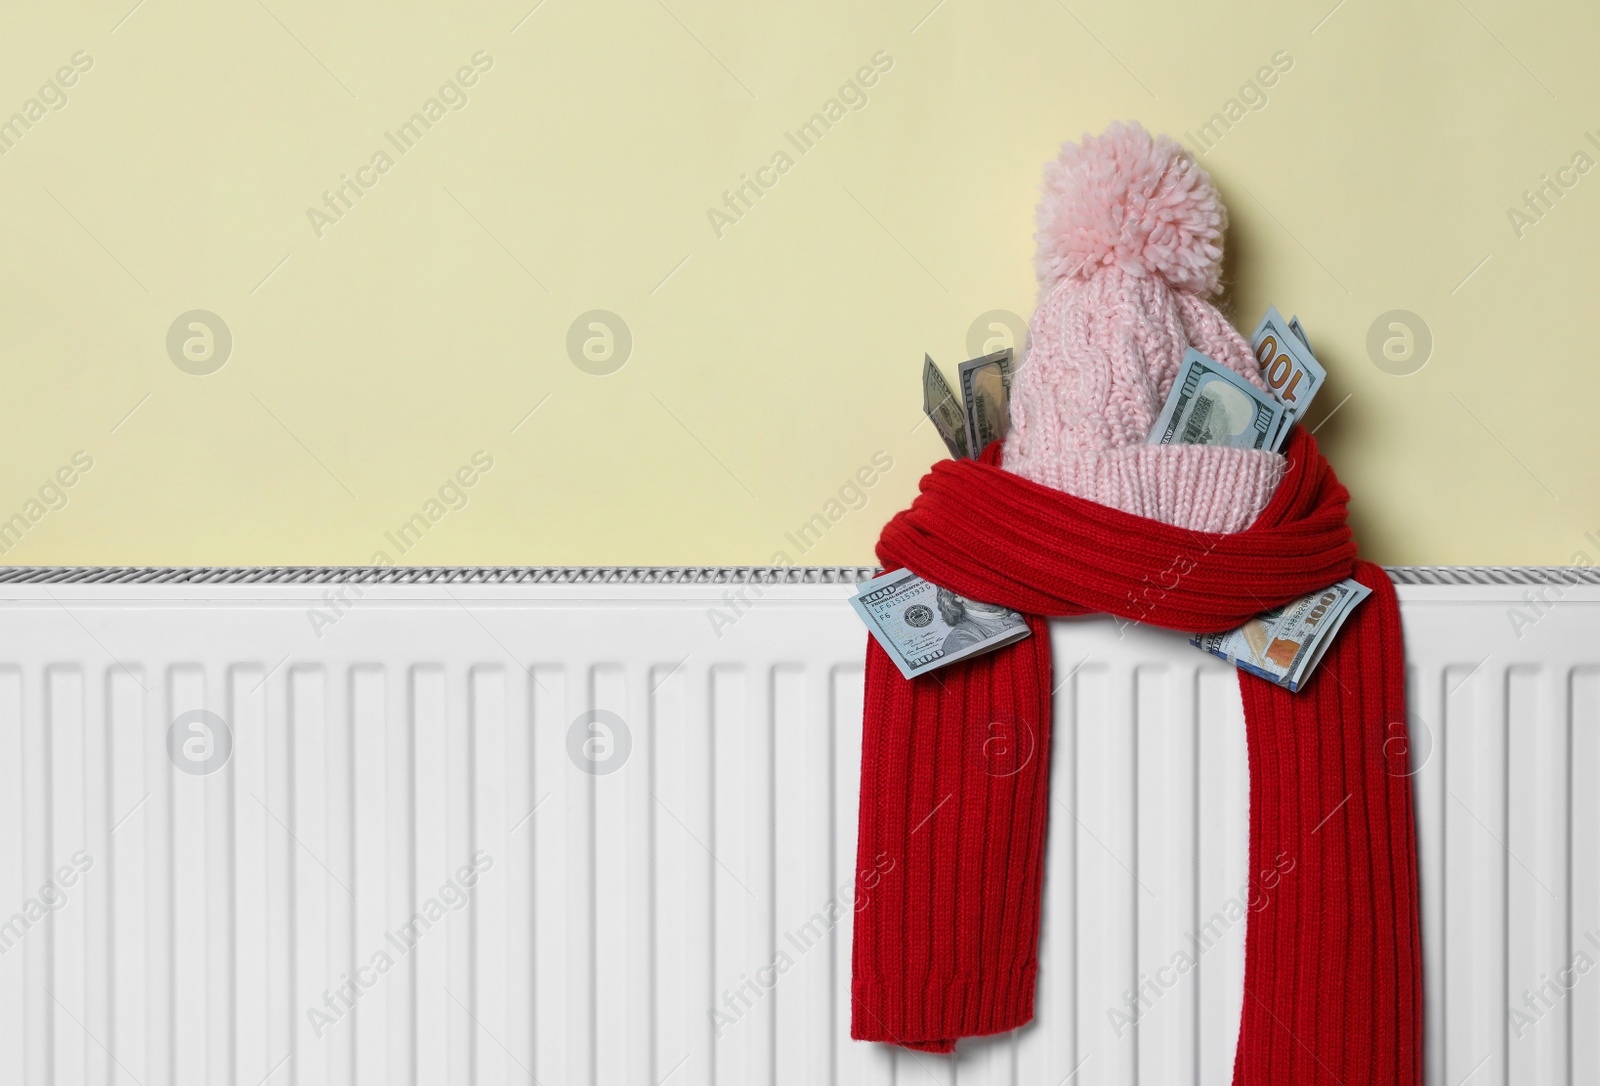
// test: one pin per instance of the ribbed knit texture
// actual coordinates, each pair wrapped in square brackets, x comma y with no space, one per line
[1208,488]
[954,782]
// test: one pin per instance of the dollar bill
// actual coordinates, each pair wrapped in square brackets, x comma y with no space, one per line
[1288,367]
[986,391]
[1284,645]
[924,627]
[1299,331]
[1211,405]
[939,403]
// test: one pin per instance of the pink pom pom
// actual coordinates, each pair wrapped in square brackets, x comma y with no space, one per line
[1133,202]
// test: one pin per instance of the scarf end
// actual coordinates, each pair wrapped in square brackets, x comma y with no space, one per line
[929,1014]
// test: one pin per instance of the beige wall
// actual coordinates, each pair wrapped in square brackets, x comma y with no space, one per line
[376,354]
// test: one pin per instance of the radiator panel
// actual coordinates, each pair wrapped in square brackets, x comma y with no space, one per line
[668,899]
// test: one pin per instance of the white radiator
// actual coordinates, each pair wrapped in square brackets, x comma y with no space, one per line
[531,826]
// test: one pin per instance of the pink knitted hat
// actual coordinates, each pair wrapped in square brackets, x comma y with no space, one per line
[1130,248]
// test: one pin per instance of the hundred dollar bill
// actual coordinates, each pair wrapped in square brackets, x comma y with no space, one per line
[1288,367]
[986,390]
[923,627]
[1284,645]
[1211,405]
[939,404]
[1299,331]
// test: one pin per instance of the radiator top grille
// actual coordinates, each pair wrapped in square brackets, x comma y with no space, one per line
[1402,575]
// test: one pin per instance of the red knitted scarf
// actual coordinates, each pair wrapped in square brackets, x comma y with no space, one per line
[946,937]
